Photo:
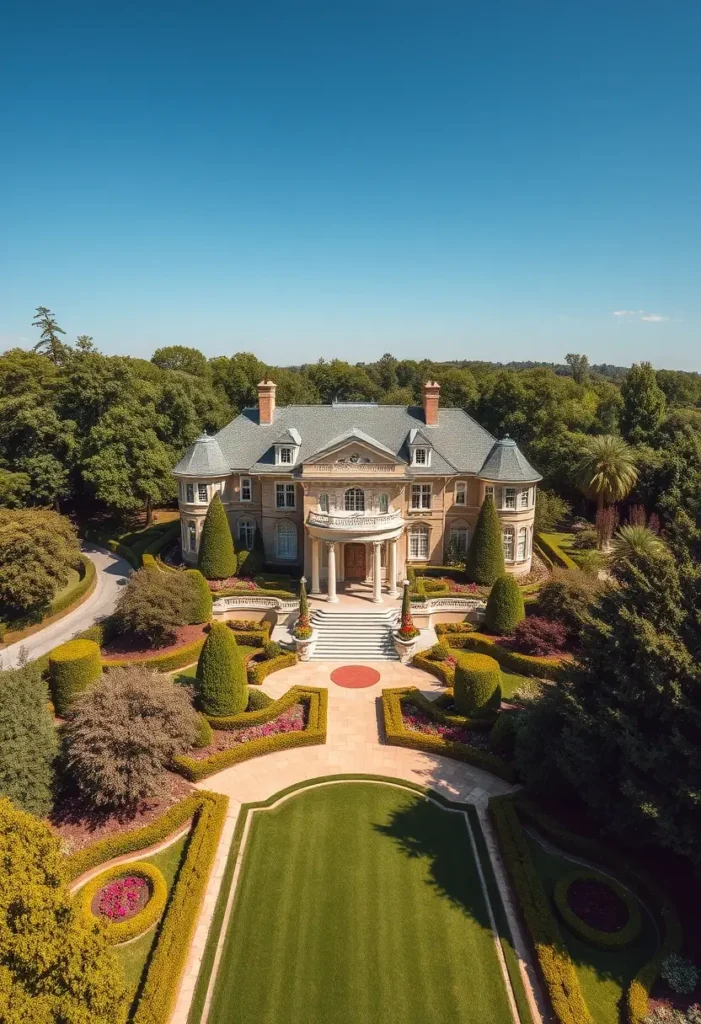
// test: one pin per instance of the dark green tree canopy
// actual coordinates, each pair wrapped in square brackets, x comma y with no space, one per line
[28,741]
[644,403]
[217,558]
[485,556]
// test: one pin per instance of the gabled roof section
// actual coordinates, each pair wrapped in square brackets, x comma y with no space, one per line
[290,436]
[354,434]
[203,458]
[418,437]
[508,463]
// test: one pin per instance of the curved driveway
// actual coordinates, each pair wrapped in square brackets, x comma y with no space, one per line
[112,572]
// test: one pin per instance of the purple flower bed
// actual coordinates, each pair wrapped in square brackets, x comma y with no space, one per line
[294,719]
[417,720]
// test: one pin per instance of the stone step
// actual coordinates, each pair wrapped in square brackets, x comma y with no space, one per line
[354,636]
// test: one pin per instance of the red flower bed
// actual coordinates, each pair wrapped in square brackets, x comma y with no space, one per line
[122,899]
[294,719]
[124,648]
[417,720]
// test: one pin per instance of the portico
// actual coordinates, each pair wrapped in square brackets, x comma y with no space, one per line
[354,548]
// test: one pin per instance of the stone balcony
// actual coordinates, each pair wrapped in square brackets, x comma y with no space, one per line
[349,526]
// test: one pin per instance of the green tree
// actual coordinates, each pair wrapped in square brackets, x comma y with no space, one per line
[505,607]
[49,341]
[579,367]
[606,471]
[644,403]
[221,684]
[152,605]
[181,358]
[14,488]
[485,556]
[217,558]
[27,740]
[38,549]
[54,966]
[550,511]
[636,541]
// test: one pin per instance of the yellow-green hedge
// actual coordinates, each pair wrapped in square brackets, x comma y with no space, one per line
[439,669]
[399,736]
[607,941]
[513,661]
[123,931]
[259,670]
[554,552]
[185,655]
[73,667]
[81,588]
[315,732]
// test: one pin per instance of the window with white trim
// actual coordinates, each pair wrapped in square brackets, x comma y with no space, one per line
[461,492]
[323,502]
[286,541]
[284,495]
[522,549]
[287,455]
[510,497]
[524,497]
[420,496]
[418,542]
[247,532]
[192,536]
[420,456]
[354,500]
[508,543]
[190,493]
[202,493]
[245,488]
[384,504]
[460,539]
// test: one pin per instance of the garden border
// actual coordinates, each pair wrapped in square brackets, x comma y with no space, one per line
[523,664]
[608,941]
[119,932]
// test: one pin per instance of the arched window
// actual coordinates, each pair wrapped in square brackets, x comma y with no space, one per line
[384,504]
[418,542]
[522,549]
[354,500]
[508,543]
[323,502]
[286,540]
[460,539]
[247,531]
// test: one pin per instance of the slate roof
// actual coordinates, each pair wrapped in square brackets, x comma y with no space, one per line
[459,444]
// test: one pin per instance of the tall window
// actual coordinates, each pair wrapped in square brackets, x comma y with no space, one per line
[489,491]
[461,493]
[324,502]
[418,542]
[524,497]
[286,541]
[202,493]
[286,455]
[285,495]
[459,539]
[420,457]
[245,488]
[384,504]
[354,500]
[508,543]
[247,531]
[522,549]
[420,495]
[509,497]
[190,493]
[192,536]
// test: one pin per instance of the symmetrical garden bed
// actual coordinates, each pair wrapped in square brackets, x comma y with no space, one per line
[499,648]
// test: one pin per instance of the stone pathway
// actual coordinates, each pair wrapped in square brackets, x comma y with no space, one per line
[353,747]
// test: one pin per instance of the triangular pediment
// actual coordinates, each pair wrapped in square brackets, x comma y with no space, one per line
[354,447]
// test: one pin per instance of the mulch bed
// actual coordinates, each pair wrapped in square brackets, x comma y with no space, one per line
[294,719]
[355,677]
[416,720]
[597,905]
[125,648]
[79,825]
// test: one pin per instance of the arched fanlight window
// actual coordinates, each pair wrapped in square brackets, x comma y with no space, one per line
[286,540]
[247,531]
[354,500]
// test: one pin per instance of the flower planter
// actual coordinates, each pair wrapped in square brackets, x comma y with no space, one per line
[305,648]
[404,648]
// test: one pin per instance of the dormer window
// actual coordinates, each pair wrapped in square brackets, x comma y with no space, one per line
[420,449]
[286,455]
[420,457]
[287,448]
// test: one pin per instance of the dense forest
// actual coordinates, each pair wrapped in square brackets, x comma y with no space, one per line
[98,435]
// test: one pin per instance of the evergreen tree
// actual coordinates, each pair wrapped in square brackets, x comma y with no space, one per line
[644,404]
[27,740]
[504,606]
[221,684]
[217,558]
[485,556]
[49,342]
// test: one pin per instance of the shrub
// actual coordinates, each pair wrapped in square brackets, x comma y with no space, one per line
[203,734]
[439,652]
[502,738]
[585,540]
[116,930]
[271,650]
[504,606]
[122,733]
[27,740]
[407,629]
[550,511]
[259,670]
[539,637]
[54,966]
[217,558]
[567,597]
[38,549]
[420,586]
[595,936]
[679,973]
[73,667]
[221,674]
[258,699]
[477,687]
[485,556]
[199,596]
[151,606]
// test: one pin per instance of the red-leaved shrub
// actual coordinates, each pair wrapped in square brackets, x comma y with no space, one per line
[539,637]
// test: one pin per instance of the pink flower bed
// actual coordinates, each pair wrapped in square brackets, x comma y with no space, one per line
[294,719]
[460,588]
[417,720]
[232,583]
[121,898]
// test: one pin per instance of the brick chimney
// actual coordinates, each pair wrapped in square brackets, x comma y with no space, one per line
[266,402]
[431,394]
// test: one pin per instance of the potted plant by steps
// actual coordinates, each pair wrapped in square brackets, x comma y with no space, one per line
[405,636]
[303,634]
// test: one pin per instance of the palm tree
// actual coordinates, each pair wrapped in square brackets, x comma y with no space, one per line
[636,542]
[606,470]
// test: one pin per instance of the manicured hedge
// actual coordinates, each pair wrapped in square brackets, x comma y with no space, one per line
[220,683]
[259,670]
[160,987]
[123,931]
[73,667]
[505,607]
[162,540]
[443,628]
[555,963]
[81,588]
[200,594]
[555,554]
[398,736]
[524,664]
[216,559]
[114,546]
[315,732]
[251,637]
[184,655]
[595,936]
[439,669]
[477,686]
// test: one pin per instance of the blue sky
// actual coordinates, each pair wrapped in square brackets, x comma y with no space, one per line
[458,180]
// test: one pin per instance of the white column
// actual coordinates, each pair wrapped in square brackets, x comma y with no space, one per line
[392,576]
[377,571]
[331,582]
[315,566]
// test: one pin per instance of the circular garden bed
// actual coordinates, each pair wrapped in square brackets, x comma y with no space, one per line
[598,910]
[126,898]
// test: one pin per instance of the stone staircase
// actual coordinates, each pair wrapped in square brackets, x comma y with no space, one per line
[354,636]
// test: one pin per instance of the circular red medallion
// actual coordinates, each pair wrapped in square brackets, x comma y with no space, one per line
[355,677]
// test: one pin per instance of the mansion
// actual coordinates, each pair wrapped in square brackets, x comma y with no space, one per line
[357,491]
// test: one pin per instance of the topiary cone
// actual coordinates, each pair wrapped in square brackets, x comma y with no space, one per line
[200,597]
[72,668]
[477,686]
[217,558]
[505,608]
[220,684]
[485,556]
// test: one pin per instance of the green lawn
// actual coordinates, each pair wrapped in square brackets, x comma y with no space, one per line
[134,954]
[359,903]
[603,976]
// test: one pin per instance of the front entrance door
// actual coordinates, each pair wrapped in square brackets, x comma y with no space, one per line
[354,562]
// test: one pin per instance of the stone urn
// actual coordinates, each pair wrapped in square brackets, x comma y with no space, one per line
[305,648]
[405,648]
